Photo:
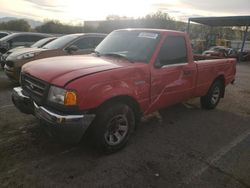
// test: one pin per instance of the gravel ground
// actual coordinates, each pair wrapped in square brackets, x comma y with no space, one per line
[180,146]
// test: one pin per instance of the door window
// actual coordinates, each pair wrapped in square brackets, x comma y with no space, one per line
[87,43]
[27,38]
[173,51]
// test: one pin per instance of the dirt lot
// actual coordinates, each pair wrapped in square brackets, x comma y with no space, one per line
[186,147]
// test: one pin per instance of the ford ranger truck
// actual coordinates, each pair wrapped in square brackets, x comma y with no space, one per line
[133,72]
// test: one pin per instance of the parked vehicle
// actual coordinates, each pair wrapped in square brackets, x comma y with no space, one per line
[18,39]
[37,44]
[43,42]
[221,52]
[245,55]
[4,34]
[73,44]
[133,72]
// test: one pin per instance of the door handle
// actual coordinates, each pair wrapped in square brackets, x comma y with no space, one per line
[187,73]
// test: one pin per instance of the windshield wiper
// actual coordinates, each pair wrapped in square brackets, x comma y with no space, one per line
[118,55]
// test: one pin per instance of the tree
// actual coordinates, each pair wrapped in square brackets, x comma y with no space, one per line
[117,17]
[159,20]
[15,25]
[159,15]
[54,26]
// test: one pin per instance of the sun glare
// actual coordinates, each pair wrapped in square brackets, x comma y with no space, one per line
[96,10]
[77,11]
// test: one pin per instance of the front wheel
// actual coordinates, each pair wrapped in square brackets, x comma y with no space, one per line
[113,126]
[212,98]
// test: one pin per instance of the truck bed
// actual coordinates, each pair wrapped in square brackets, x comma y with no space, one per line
[210,69]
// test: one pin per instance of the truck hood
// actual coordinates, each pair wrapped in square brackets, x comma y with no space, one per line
[61,70]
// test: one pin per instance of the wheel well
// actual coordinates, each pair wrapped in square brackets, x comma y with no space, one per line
[126,100]
[221,78]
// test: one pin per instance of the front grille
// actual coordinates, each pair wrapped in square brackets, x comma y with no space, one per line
[36,89]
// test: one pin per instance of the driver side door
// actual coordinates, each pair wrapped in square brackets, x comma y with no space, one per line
[172,77]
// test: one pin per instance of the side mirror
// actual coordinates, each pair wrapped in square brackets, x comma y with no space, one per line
[72,48]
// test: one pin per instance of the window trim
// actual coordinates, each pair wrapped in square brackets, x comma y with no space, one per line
[174,65]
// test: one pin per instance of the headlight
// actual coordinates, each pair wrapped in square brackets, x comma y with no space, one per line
[62,96]
[26,56]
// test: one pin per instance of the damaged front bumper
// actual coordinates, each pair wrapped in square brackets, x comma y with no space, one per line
[69,128]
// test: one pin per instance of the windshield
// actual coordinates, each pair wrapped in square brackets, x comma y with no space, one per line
[134,45]
[3,35]
[41,43]
[60,42]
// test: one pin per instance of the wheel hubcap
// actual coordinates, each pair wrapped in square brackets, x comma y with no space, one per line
[215,95]
[117,130]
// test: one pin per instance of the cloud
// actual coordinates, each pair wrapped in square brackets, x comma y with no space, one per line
[98,9]
[239,7]
[46,5]
[183,9]
[27,15]
[34,9]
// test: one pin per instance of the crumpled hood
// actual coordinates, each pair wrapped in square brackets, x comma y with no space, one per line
[60,70]
[20,51]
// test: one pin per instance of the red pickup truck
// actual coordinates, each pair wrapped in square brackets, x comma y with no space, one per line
[133,72]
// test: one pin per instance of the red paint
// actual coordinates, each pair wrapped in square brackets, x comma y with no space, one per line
[98,79]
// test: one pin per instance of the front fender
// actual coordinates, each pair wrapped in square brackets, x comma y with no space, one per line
[95,89]
[101,92]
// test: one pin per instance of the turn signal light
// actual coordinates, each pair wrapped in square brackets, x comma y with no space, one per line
[70,98]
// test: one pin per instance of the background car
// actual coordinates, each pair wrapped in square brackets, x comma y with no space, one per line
[245,55]
[73,44]
[37,44]
[221,52]
[18,39]
[43,42]
[4,34]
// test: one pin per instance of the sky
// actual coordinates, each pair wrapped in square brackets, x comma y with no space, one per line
[76,11]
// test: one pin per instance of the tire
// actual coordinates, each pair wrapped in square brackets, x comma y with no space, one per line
[212,98]
[112,127]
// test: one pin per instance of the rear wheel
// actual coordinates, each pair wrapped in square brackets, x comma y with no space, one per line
[212,98]
[113,126]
